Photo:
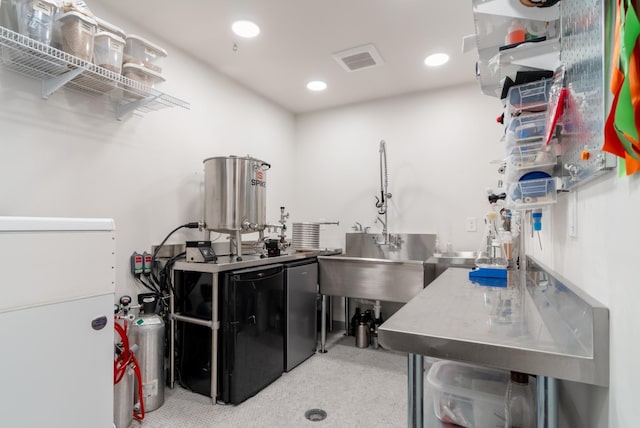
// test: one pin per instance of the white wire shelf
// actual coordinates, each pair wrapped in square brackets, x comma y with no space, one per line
[57,69]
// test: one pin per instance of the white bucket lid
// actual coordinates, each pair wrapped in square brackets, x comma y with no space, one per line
[107,26]
[112,36]
[83,17]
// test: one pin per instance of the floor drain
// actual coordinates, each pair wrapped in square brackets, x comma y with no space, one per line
[315,415]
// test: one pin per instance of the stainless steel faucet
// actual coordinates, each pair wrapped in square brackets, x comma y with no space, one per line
[384,227]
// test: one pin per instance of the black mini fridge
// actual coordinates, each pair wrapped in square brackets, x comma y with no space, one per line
[251,331]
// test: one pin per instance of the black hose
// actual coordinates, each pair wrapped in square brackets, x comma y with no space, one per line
[190,225]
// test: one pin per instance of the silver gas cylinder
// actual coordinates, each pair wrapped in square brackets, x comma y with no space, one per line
[147,331]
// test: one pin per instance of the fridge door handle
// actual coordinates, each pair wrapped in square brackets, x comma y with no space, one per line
[258,277]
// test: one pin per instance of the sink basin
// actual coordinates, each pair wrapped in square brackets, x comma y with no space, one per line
[369,278]
[460,254]
[457,258]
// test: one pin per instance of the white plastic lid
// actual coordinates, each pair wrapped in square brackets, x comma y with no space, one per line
[110,35]
[135,67]
[85,18]
[54,3]
[148,44]
[109,27]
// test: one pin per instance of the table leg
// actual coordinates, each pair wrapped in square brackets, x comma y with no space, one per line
[347,312]
[415,379]
[323,325]
[547,402]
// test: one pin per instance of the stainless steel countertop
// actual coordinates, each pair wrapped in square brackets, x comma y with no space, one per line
[547,328]
[226,263]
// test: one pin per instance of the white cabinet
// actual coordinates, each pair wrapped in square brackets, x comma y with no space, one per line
[56,322]
[56,370]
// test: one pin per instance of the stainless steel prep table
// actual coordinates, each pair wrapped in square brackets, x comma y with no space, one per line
[550,328]
[224,264]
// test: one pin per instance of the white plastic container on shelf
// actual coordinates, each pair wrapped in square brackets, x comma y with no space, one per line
[108,50]
[525,128]
[8,15]
[35,18]
[74,34]
[468,395]
[531,97]
[142,75]
[536,155]
[142,52]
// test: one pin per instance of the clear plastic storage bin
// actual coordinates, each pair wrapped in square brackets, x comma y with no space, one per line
[534,193]
[8,15]
[468,395]
[533,156]
[525,128]
[74,34]
[142,52]
[142,75]
[35,19]
[107,51]
[532,97]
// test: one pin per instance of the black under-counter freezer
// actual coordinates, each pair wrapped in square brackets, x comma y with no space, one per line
[301,292]
[229,323]
[251,331]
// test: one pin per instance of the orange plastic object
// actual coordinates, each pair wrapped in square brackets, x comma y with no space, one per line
[585,155]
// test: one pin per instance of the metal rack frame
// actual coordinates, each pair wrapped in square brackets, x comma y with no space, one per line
[57,69]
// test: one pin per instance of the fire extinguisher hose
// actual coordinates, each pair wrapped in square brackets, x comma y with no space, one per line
[127,359]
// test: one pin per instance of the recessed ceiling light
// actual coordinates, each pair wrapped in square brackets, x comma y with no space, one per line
[437,59]
[245,29]
[316,85]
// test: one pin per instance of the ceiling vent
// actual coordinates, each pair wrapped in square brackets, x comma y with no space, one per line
[359,58]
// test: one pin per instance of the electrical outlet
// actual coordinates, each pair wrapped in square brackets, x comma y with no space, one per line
[472,224]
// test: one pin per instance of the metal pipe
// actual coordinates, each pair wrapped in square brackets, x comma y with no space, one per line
[323,325]
[214,336]
[347,312]
[330,310]
[382,202]
[238,245]
[415,378]
[385,232]
[541,388]
[190,320]
[552,402]
[172,336]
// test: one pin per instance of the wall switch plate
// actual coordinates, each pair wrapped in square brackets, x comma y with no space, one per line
[472,224]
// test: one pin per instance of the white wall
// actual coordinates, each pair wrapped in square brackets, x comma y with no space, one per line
[69,156]
[439,145]
[601,260]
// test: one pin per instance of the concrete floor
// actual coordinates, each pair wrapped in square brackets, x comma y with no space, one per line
[355,387]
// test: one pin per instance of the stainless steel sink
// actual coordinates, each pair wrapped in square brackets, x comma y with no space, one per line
[369,278]
[463,258]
